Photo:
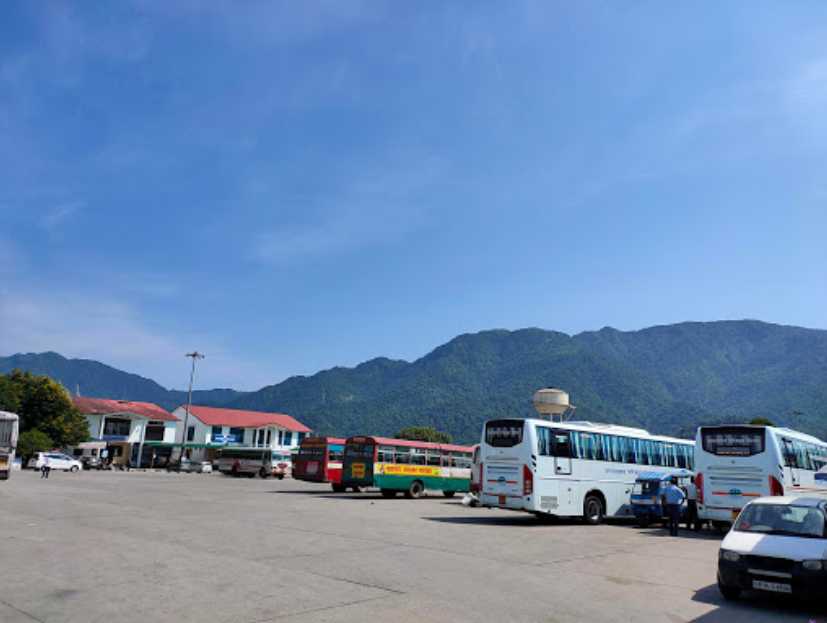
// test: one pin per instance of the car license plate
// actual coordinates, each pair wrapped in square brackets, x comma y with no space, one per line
[775,587]
[502,500]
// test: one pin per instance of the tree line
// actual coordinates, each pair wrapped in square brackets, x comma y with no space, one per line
[48,418]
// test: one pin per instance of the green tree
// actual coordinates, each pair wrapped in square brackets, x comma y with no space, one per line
[423,433]
[9,395]
[33,441]
[761,421]
[44,405]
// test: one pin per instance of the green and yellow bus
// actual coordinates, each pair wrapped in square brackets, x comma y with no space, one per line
[410,467]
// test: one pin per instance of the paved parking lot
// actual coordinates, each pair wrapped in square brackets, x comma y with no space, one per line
[161,547]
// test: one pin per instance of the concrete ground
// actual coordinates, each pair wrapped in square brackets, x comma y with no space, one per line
[141,547]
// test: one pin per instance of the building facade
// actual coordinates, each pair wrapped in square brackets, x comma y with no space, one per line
[208,429]
[140,434]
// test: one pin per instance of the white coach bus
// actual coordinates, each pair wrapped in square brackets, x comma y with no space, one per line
[9,424]
[572,468]
[736,464]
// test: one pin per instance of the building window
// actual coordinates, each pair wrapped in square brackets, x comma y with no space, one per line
[300,438]
[261,437]
[154,431]
[190,433]
[288,438]
[116,427]
[216,432]
[237,435]
[281,437]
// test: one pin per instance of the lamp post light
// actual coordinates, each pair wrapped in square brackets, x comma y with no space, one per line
[194,356]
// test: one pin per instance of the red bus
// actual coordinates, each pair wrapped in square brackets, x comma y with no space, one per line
[320,460]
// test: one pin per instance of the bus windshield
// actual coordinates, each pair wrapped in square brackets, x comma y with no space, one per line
[504,433]
[733,441]
[360,450]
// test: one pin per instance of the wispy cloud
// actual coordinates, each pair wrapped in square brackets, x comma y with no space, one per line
[56,217]
[96,326]
[377,206]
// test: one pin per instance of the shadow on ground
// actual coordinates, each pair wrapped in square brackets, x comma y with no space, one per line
[756,607]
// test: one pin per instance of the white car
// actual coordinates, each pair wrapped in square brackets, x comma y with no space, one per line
[778,545]
[56,460]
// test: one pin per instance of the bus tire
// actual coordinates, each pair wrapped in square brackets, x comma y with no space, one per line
[593,510]
[449,494]
[337,488]
[356,489]
[263,473]
[388,493]
[280,476]
[415,490]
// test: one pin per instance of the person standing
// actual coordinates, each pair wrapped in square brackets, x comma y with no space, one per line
[692,505]
[673,497]
[45,468]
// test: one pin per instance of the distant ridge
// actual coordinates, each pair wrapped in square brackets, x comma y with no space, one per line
[666,378]
[97,380]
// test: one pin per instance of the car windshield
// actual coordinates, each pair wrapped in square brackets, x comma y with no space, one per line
[782,519]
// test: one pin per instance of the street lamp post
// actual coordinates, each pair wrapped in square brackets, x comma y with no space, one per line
[193,355]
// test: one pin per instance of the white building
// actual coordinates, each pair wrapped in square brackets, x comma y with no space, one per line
[212,428]
[136,433]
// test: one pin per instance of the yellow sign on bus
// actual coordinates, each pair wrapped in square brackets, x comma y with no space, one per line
[390,469]
[357,470]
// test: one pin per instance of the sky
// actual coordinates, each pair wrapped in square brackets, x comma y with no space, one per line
[291,186]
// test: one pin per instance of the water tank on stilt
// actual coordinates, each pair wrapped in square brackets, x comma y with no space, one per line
[551,402]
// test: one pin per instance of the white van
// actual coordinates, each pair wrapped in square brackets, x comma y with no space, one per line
[777,545]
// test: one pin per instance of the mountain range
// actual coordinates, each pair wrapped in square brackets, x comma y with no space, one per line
[668,379]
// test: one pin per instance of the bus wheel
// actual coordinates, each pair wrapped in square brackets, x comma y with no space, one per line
[415,490]
[337,488]
[356,489]
[388,493]
[593,510]
[263,473]
[449,494]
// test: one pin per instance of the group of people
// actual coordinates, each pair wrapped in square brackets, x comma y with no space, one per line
[673,499]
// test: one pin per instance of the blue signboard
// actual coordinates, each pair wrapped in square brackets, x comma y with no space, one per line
[224,438]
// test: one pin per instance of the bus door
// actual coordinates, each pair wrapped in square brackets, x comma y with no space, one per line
[561,449]
[791,459]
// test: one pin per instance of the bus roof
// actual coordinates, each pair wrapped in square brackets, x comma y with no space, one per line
[7,415]
[615,429]
[389,441]
[312,441]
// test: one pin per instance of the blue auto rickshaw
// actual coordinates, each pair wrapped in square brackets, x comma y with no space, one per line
[647,495]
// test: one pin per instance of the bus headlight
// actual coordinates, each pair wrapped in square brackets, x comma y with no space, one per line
[730,556]
[813,565]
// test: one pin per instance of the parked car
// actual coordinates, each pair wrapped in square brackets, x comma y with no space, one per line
[777,545]
[91,462]
[57,460]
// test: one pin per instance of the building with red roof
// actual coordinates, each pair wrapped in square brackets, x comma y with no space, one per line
[135,433]
[211,428]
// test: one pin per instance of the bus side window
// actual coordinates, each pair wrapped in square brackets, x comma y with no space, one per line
[433,457]
[543,441]
[417,457]
[403,455]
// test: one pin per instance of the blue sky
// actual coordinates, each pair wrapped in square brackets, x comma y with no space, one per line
[292,186]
